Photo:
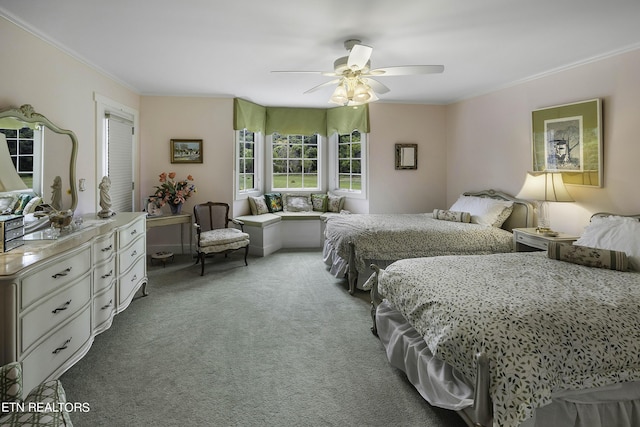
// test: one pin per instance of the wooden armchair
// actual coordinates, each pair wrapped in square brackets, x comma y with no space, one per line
[213,233]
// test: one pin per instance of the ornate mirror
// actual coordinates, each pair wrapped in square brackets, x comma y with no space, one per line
[42,154]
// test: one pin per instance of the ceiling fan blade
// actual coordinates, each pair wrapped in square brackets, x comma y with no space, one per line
[320,86]
[359,56]
[300,72]
[376,86]
[405,70]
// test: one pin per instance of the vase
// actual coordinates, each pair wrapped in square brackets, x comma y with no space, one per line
[175,209]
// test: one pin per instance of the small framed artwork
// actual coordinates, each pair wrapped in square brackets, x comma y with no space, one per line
[568,138]
[186,151]
[406,156]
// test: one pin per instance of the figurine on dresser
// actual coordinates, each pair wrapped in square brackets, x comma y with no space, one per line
[105,198]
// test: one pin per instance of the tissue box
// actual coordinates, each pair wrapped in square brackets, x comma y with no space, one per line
[11,232]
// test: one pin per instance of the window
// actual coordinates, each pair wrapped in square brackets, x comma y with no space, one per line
[246,161]
[350,162]
[295,162]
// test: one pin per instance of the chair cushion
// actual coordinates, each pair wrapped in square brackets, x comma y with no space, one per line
[221,236]
[232,246]
[11,383]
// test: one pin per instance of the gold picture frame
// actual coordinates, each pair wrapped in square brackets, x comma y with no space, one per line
[406,156]
[186,150]
[568,139]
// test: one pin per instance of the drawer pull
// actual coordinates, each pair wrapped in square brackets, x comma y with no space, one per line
[64,346]
[109,274]
[104,307]
[134,253]
[63,308]
[134,232]
[134,278]
[62,273]
[108,248]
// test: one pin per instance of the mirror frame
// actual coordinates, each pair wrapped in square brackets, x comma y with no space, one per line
[406,156]
[27,114]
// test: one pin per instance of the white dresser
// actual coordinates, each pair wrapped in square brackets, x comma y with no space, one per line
[56,295]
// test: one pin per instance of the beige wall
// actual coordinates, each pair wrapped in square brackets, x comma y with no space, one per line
[62,89]
[209,119]
[489,138]
[407,191]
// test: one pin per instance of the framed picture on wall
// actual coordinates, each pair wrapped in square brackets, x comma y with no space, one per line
[568,138]
[186,150]
[406,156]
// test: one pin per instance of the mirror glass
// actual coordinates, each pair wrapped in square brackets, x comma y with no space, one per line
[42,155]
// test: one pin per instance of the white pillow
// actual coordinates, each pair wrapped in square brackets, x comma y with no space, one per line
[483,210]
[614,233]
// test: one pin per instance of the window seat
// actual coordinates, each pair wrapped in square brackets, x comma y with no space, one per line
[273,231]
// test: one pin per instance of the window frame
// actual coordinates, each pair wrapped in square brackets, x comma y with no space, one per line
[258,156]
[320,187]
[334,169]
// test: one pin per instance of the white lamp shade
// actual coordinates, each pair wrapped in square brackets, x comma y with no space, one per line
[546,186]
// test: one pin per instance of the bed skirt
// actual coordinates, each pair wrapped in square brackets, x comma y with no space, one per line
[442,386]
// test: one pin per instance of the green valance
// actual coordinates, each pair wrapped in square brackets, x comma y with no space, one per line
[343,120]
[303,121]
[247,115]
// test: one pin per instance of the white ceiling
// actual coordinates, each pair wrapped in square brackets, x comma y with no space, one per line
[229,48]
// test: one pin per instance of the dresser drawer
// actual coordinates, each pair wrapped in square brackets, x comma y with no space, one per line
[53,311]
[128,256]
[54,275]
[55,351]
[103,248]
[104,308]
[129,282]
[104,274]
[131,232]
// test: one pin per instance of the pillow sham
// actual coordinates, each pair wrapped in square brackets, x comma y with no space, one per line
[258,205]
[455,216]
[274,202]
[296,202]
[484,210]
[335,203]
[319,202]
[588,256]
[614,233]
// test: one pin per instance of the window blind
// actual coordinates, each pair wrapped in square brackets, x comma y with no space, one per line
[120,162]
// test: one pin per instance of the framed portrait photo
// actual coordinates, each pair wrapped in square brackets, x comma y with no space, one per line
[186,150]
[568,139]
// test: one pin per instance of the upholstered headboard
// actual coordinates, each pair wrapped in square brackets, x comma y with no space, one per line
[522,215]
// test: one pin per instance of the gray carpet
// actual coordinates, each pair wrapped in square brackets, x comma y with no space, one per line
[277,343]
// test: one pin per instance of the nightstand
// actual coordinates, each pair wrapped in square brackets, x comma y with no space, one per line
[529,239]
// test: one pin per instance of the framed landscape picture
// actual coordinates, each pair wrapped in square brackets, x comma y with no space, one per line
[568,138]
[186,151]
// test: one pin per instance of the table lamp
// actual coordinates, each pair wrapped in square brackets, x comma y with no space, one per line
[544,187]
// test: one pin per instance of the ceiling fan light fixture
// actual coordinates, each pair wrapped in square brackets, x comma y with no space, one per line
[362,93]
[340,95]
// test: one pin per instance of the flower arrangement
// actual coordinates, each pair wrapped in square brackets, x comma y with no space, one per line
[171,191]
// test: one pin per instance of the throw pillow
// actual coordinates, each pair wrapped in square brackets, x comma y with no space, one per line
[258,205]
[274,202]
[614,233]
[7,203]
[455,216]
[31,206]
[296,202]
[335,203]
[21,203]
[590,257]
[483,210]
[319,202]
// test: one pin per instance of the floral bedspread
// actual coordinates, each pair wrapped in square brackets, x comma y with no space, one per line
[546,325]
[391,237]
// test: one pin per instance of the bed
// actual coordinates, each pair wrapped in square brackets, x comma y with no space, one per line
[522,339]
[353,242]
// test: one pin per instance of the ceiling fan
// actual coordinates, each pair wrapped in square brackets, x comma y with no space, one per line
[355,85]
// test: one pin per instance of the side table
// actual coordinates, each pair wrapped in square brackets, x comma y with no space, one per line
[164,220]
[529,239]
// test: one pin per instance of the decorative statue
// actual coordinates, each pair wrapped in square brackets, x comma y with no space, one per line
[105,198]
[56,193]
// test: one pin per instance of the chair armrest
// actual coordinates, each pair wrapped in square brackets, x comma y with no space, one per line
[238,222]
